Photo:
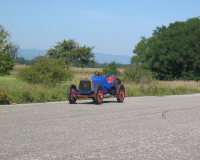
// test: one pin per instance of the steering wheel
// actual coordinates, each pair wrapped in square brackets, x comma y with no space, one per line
[97,73]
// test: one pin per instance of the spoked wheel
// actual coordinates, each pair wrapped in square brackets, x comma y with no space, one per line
[98,94]
[120,93]
[71,94]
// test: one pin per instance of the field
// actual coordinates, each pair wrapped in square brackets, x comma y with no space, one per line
[22,92]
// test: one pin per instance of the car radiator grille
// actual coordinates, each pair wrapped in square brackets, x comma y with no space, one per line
[85,86]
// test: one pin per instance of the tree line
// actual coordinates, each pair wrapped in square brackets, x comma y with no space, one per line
[171,52]
[23,61]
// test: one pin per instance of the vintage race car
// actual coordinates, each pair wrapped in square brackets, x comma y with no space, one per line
[97,88]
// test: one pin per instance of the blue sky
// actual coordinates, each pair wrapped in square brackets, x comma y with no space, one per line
[111,26]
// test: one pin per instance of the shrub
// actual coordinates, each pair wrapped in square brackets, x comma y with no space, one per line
[111,68]
[46,71]
[6,64]
[54,96]
[135,73]
[27,97]
[41,97]
[4,99]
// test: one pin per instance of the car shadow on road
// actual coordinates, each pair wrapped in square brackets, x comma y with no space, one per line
[107,101]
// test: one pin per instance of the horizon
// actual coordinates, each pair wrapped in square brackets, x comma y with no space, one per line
[93,52]
[30,54]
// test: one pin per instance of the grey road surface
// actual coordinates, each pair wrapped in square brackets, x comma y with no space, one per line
[140,128]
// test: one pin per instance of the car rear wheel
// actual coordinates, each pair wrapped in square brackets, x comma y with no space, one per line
[120,93]
[71,94]
[98,94]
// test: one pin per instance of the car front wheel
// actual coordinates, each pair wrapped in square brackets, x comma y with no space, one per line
[71,94]
[98,94]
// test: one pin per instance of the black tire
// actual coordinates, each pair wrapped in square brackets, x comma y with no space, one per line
[120,93]
[118,80]
[98,94]
[70,95]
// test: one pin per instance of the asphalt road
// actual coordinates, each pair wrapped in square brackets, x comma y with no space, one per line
[140,128]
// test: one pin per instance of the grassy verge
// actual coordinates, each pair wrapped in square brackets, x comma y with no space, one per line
[161,88]
[22,92]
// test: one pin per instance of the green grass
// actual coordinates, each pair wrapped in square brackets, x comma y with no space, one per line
[161,88]
[22,92]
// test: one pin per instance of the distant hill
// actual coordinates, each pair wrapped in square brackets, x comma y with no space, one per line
[100,57]
[31,53]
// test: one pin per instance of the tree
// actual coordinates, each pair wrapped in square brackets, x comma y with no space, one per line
[171,52]
[20,60]
[85,56]
[6,64]
[72,52]
[8,51]
[111,68]
[64,49]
